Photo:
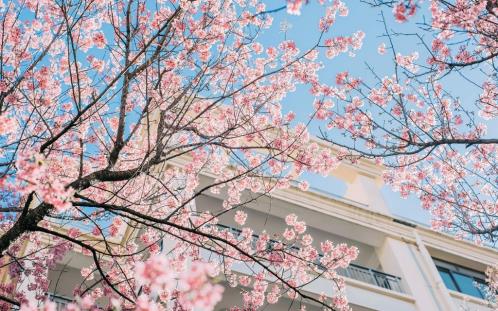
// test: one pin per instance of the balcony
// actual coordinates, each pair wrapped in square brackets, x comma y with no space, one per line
[60,301]
[372,277]
[356,272]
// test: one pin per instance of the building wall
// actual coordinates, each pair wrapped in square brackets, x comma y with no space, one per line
[403,255]
[260,221]
[385,244]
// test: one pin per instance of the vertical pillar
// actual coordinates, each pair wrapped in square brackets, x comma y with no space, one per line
[363,187]
[434,276]
[405,260]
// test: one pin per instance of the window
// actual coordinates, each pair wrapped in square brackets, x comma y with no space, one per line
[461,279]
[447,278]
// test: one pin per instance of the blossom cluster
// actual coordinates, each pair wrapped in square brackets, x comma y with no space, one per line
[34,175]
[117,113]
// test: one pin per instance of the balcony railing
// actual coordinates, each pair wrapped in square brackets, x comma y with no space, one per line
[60,301]
[373,277]
[353,271]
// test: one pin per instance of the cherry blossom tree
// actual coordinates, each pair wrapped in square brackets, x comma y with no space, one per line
[492,280]
[437,142]
[121,114]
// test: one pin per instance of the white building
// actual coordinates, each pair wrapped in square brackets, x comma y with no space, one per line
[401,266]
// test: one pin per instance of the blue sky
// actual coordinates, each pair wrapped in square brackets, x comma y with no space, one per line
[303,30]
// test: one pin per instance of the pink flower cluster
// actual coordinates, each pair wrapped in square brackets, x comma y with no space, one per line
[489,101]
[8,125]
[342,44]
[196,291]
[35,175]
[404,9]
[407,61]
[80,113]
[155,273]
[240,217]
[191,287]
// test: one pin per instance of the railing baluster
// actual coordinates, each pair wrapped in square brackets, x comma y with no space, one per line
[353,271]
[373,277]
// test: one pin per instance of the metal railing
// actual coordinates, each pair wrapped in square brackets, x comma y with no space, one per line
[353,271]
[60,301]
[372,276]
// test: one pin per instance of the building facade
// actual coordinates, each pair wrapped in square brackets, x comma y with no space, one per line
[401,265]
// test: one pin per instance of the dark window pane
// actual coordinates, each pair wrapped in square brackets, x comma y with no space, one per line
[467,285]
[448,281]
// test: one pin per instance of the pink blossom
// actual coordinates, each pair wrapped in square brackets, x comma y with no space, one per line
[240,217]
[404,9]
[87,273]
[289,234]
[197,291]
[291,219]
[294,7]
[304,185]
[7,125]
[155,272]
[300,227]
[382,49]
[35,174]
[145,304]
[99,40]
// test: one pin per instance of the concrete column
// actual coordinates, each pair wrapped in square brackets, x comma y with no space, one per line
[363,187]
[434,276]
[405,260]
[366,190]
